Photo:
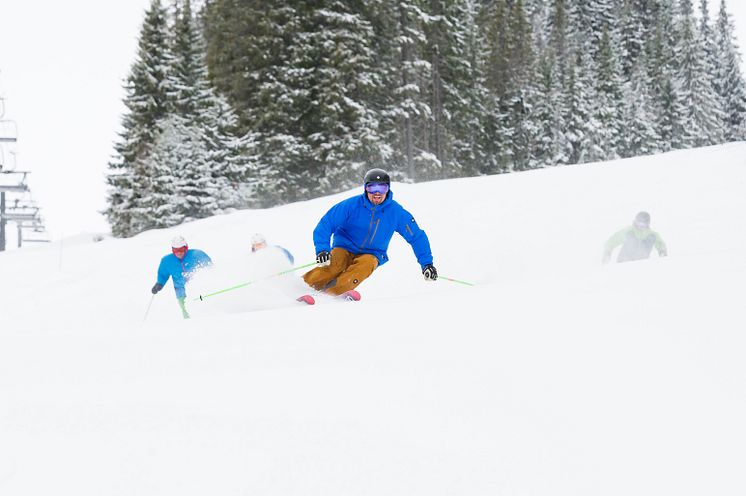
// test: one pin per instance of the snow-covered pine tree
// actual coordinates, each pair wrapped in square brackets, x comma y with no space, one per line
[251,43]
[582,129]
[710,64]
[662,67]
[640,136]
[510,78]
[232,156]
[147,103]
[226,161]
[548,115]
[587,20]
[670,120]
[406,112]
[445,55]
[537,13]
[180,187]
[604,18]
[436,29]
[559,38]
[609,107]
[434,111]
[706,34]
[522,87]
[701,105]
[729,80]
[632,34]
[497,76]
[198,190]
[465,95]
[245,43]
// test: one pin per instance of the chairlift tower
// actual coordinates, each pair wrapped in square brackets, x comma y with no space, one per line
[24,214]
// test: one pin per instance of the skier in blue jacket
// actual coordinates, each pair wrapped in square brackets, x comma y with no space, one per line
[362,227]
[180,266]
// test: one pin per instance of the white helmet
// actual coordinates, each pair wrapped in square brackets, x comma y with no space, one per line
[178,242]
[257,239]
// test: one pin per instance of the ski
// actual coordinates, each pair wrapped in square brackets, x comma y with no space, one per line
[350,295]
[307,299]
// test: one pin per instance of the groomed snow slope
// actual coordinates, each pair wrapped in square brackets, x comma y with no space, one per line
[553,376]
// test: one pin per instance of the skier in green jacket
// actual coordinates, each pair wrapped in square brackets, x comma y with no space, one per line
[637,241]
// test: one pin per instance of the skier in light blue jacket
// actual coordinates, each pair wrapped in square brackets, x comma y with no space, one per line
[180,266]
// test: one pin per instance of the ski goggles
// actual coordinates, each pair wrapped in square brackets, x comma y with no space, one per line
[642,225]
[380,188]
[180,251]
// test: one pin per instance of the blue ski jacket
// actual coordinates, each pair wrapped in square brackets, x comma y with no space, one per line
[359,226]
[181,270]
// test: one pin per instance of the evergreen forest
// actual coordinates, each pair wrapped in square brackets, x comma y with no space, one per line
[254,103]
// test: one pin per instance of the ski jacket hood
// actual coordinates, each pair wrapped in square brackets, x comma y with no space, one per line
[359,226]
[181,270]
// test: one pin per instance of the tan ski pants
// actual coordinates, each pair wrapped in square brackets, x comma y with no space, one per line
[345,272]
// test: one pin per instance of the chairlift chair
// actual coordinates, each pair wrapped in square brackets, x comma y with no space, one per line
[36,226]
[8,132]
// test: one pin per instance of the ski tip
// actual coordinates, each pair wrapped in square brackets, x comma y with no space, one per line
[351,295]
[307,299]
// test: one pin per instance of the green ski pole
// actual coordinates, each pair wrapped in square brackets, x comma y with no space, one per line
[456,280]
[244,284]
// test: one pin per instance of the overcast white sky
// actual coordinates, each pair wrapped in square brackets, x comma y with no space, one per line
[61,70]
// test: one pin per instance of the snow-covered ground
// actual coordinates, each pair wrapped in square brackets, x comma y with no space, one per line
[554,375]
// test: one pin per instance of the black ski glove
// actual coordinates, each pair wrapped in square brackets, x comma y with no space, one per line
[158,286]
[430,273]
[323,258]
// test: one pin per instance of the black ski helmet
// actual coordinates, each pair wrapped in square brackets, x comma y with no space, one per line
[376,176]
